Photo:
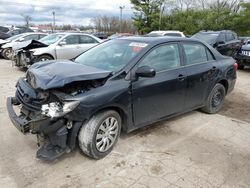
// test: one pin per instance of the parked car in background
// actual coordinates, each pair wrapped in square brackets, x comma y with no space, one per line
[243,56]
[2,42]
[119,35]
[226,41]
[101,35]
[8,47]
[169,33]
[19,30]
[4,29]
[54,46]
[4,35]
[117,86]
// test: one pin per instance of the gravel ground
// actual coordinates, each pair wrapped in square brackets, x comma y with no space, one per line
[192,150]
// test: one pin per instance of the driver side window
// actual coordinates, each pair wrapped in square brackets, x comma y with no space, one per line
[163,58]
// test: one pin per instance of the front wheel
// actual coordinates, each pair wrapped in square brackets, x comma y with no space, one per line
[44,58]
[215,99]
[99,135]
[7,53]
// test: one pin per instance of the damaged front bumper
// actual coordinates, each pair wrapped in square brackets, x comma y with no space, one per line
[21,122]
[55,135]
[23,58]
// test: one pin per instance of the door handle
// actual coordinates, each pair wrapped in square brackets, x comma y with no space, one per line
[181,77]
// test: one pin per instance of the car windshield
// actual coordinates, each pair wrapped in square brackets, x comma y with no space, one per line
[112,55]
[51,39]
[209,38]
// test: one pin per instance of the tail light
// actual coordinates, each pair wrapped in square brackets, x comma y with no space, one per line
[235,66]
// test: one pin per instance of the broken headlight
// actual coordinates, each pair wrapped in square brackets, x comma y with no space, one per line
[56,109]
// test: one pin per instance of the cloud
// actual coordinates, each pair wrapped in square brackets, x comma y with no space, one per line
[76,12]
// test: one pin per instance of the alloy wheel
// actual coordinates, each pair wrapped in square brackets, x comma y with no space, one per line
[106,134]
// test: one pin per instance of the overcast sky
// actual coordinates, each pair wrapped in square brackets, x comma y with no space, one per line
[77,12]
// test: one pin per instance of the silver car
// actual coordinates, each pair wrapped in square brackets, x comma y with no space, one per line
[55,46]
[7,47]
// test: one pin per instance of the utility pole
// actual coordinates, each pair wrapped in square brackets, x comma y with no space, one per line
[121,8]
[54,21]
[160,16]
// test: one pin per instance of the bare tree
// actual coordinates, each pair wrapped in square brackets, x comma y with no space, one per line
[27,19]
[111,24]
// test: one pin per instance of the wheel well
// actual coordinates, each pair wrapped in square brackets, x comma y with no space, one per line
[224,83]
[120,112]
[47,55]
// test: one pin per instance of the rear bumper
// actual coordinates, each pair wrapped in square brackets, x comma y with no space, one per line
[20,122]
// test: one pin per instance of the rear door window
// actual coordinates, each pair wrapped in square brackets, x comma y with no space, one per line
[197,53]
[84,39]
[72,39]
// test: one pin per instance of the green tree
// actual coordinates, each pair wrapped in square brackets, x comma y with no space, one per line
[146,14]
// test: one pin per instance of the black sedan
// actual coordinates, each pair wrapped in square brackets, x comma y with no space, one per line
[119,85]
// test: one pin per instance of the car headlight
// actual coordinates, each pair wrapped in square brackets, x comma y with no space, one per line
[56,109]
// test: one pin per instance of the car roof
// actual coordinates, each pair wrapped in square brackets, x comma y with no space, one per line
[216,32]
[168,31]
[156,40]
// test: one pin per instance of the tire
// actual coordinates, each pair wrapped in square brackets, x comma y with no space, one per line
[44,58]
[92,138]
[6,53]
[215,99]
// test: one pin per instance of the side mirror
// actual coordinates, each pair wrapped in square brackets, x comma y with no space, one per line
[62,43]
[145,71]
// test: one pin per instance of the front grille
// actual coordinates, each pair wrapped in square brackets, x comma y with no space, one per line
[28,97]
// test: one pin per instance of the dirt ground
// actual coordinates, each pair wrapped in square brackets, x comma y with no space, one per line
[193,150]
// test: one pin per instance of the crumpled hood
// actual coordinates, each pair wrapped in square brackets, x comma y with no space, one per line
[246,47]
[56,74]
[30,44]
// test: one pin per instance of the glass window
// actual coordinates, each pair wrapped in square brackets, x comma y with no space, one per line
[51,39]
[41,36]
[163,58]
[230,36]
[112,55]
[84,39]
[222,38]
[195,53]
[31,37]
[209,38]
[72,39]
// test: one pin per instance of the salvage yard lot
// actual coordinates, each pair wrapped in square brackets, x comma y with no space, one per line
[192,150]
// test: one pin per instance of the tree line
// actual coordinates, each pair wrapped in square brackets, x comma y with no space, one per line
[191,16]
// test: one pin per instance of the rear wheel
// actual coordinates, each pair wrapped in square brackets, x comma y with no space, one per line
[215,99]
[44,58]
[99,135]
